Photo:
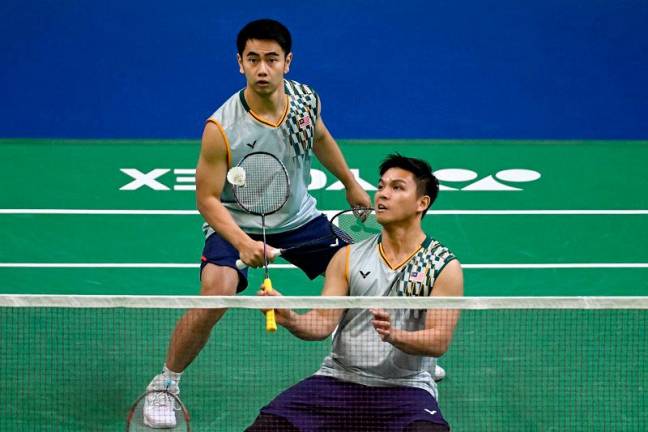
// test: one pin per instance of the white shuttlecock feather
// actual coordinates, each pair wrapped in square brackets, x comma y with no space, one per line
[236,176]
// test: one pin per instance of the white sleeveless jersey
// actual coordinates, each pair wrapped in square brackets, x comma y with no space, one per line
[358,354]
[291,141]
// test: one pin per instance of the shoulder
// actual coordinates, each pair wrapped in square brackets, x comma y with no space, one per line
[436,248]
[295,88]
[363,253]
[303,94]
[439,255]
[229,111]
[368,243]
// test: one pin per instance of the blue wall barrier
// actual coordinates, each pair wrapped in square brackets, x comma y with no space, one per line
[538,69]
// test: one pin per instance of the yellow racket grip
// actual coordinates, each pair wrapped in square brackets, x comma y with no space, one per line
[271,323]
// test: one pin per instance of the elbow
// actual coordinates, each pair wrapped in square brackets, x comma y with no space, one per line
[200,204]
[437,352]
[439,348]
[203,204]
[201,209]
[321,335]
[313,336]
[310,337]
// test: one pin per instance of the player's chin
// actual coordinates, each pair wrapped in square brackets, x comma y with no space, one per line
[265,88]
[383,217]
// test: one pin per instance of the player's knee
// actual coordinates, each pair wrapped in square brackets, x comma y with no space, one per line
[202,320]
[218,280]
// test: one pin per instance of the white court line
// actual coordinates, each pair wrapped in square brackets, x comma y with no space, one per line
[432,212]
[98,212]
[290,266]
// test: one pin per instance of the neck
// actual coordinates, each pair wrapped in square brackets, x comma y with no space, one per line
[272,104]
[403,238]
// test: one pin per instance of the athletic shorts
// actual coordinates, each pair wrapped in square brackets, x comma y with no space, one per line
[322,403]
[219,251]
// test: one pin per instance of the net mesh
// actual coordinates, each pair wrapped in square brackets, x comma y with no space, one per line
[78,363]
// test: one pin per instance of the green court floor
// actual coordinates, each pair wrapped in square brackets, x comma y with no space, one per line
[524,217]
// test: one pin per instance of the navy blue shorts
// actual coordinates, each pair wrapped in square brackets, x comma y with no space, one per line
[219,251]
[321,403]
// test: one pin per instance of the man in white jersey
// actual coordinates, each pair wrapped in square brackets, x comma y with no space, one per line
[270,114]
[378,375]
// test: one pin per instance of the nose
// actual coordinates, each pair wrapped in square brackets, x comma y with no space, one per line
[263,69]
[382,194]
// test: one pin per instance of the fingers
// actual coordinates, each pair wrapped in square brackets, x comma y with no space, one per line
[254,255]
[382,323]
[361,213]
[272,253]
[280,314]
[262,292]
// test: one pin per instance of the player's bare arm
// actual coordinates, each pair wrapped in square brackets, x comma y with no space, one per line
[210,180]
[330,155]
[435,339]
[318,324]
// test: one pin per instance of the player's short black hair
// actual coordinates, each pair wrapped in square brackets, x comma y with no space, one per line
[426,182]
[264,29]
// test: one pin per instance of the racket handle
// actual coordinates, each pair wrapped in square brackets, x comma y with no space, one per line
[271,323]
[274,254]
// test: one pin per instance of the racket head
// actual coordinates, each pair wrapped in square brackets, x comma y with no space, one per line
[267,185]
[356,224]
[346,227]
[135,418]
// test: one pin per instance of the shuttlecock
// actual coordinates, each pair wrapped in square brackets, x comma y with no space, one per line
[439,373]
[236,176]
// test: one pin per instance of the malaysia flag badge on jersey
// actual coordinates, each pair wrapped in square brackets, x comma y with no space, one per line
[304,122]
[417,276]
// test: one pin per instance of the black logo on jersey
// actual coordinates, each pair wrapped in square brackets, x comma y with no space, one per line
[364,275]
[251,145]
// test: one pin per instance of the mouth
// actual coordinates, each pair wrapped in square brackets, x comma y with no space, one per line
[381,207]
[263,83]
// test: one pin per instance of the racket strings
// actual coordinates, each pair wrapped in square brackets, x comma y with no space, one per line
[266,186]
[353,229]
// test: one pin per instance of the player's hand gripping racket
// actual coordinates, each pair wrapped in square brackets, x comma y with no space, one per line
[347,226]
[261,187]
[136,420]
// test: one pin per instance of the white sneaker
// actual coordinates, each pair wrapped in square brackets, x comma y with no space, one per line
[160,407]
[439,373]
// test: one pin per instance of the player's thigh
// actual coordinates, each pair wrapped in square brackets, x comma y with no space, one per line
[218,280]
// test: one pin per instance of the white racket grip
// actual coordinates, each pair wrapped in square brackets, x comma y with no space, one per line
[273,255]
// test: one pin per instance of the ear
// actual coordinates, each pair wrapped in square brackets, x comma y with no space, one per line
[423,203]
[288,61]
[240,63]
